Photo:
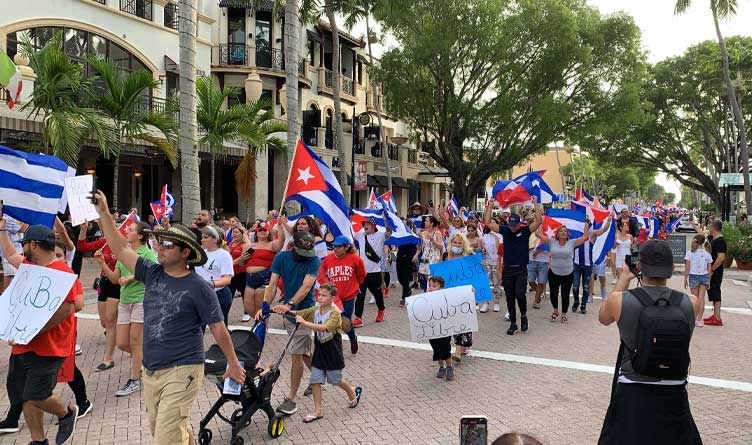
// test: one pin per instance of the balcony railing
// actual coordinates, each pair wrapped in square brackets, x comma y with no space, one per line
[232,54]
[328,78]
[139,8]
[270,58]
[101,2]
[329,140]
[412,156]
[376,151]
[360,149]
[171,17]
[347,85]
[302,71]
[3,95]
[394,152]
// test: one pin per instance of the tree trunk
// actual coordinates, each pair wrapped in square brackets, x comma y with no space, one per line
[744,149]
[339,133]
[377,100]
[292,42]
[115,180]
[211,186]
[563,182]
[191,194]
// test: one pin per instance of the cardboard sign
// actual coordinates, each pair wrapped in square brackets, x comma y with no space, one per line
[442,313]
[31,300]
[463,271]
[78,191]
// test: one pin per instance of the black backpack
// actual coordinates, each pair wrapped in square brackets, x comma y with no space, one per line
[663,334]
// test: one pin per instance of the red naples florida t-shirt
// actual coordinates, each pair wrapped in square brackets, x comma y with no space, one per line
[58,341]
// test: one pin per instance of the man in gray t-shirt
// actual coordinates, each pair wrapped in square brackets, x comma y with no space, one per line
[176,303]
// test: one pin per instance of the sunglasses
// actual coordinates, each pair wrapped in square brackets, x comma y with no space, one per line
[262,229]
[167,244]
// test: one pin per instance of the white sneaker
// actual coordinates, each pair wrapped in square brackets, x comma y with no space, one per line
[506,316]
[484,308]
[497,307]
[372,300]
[613,281]
[245,318]
[699,323]
[131,386]
[78,349]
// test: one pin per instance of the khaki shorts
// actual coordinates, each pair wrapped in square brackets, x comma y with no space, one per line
[302,343]
[169,395]
[8,269]
[130,313]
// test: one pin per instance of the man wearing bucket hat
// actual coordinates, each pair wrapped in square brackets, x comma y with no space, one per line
[649,402]
[177,302]
[372,251]
[298,269]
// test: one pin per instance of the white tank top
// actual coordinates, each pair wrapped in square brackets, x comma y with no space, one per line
[623,247]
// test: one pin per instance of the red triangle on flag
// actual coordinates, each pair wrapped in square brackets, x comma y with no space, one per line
[304,173]
[549,226]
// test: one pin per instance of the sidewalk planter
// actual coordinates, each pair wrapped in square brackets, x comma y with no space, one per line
[744,265]
[728,261]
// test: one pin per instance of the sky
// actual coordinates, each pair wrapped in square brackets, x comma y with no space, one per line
[663,34]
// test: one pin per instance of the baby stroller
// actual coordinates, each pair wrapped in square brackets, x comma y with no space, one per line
[256,391]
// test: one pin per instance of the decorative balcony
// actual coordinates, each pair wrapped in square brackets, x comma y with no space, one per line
[412,156]
[376,151]
[139,8]
[328,78]
[393,152]
[171,16]
[231,54]
[270,58]
[360,149]
[302,71]
[347,85]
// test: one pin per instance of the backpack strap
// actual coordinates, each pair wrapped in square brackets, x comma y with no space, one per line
[642,296]
[617,367]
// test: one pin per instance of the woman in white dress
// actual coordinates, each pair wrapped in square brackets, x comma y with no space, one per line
[622,246]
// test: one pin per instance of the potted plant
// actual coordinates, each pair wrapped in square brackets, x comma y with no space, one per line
[743,253]
[732,235]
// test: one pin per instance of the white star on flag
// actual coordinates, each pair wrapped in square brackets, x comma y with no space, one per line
[536,183]
[305,175]
[550,232]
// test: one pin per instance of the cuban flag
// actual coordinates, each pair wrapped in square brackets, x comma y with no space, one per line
[582,196]
[313,185]
[655,226]
[31,186]
[617,208]
[401,234]
[452,206]
[372,200]
[604,243]
[130,219]
[536,186]
[675,222]
[507,193]
[164,205]
[596,215]
[359,216]
[573,220]
[417,222]
[387,200]
[529,175]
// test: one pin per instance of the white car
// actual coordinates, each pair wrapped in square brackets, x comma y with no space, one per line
[684,224]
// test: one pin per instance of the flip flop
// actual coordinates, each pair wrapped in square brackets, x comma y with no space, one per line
[311,418]
[104,367]
[356,401]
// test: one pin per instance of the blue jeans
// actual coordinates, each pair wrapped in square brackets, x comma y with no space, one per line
[347,311]
[581,273]
[225,301]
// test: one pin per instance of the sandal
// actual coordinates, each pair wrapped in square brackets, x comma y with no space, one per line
[356,400]
[536,303]
[312,418]
[456,359]
[104,367]
[554,316]
[564,319]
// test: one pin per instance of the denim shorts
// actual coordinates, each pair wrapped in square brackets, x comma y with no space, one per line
[537,271]
[258,280]
[696,280]
[321,376]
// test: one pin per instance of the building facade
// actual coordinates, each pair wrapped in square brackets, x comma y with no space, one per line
[241,44]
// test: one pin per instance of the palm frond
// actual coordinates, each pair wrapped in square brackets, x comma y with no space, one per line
[165,146]
[245,175]
[682,6]
[62,131]
[724,8]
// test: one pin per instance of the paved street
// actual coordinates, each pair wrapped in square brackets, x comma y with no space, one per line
[553,382]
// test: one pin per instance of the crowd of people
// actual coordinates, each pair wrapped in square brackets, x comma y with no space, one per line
[161,284]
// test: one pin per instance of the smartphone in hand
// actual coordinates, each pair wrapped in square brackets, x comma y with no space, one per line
[473,430]
[93,189]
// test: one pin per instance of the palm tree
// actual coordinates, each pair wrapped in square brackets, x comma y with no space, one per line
[124,101]
[58,95]
[292,41]
[191,194]
[723,9]
[249,123]
[361,9]
[330,7]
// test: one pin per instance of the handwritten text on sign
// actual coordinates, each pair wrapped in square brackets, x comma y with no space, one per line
[31,300]
[78,190]
[442,313]
[463,271]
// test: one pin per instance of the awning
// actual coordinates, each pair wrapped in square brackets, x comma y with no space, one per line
[400,183]
[171,66]
[261,5]
[313,35]
[372,181]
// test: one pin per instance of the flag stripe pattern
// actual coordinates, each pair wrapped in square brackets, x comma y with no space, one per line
[35,199]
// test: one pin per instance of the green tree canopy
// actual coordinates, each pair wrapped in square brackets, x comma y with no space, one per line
[487,83]
[607,180]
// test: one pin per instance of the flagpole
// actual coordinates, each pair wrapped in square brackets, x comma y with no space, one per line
[289,174]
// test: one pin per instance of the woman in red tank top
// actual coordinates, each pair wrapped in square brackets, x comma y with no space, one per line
[239,244]
[259,262]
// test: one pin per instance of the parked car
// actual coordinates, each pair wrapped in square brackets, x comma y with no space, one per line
[685,225]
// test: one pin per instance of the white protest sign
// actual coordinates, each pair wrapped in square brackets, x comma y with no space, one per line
[442,313]
[78,191]
[31,300]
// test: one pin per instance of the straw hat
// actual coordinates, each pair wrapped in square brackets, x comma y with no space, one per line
[183,235]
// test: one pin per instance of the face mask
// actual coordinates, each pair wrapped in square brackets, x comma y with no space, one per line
[456,250]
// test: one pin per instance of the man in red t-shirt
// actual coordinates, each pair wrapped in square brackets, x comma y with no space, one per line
[34,367]
[345,269]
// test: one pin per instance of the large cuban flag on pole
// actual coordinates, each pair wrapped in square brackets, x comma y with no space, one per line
[604,243]
[313,185]
[573,220]
[401,235]
[31,186]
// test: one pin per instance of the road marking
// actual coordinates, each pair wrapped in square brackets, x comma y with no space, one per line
[749,303]
[734,310]
[502,357]
[740,283]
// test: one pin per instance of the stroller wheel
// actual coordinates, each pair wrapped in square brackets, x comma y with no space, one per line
[237,441]
[276,426]
[204,436]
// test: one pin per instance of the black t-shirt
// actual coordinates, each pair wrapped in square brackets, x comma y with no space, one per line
[515,246]
[328,355]
[718,245]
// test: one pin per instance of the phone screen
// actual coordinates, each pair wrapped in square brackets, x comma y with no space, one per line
[473,430]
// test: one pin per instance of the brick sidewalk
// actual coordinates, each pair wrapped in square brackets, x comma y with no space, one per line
[403,402]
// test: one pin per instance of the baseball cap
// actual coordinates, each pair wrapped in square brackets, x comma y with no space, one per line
[369,221]
[38,232]
[303,242]
[341,240]
[514,219]
[656,259]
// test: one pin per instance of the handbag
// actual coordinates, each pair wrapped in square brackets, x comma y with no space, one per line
[95,285]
